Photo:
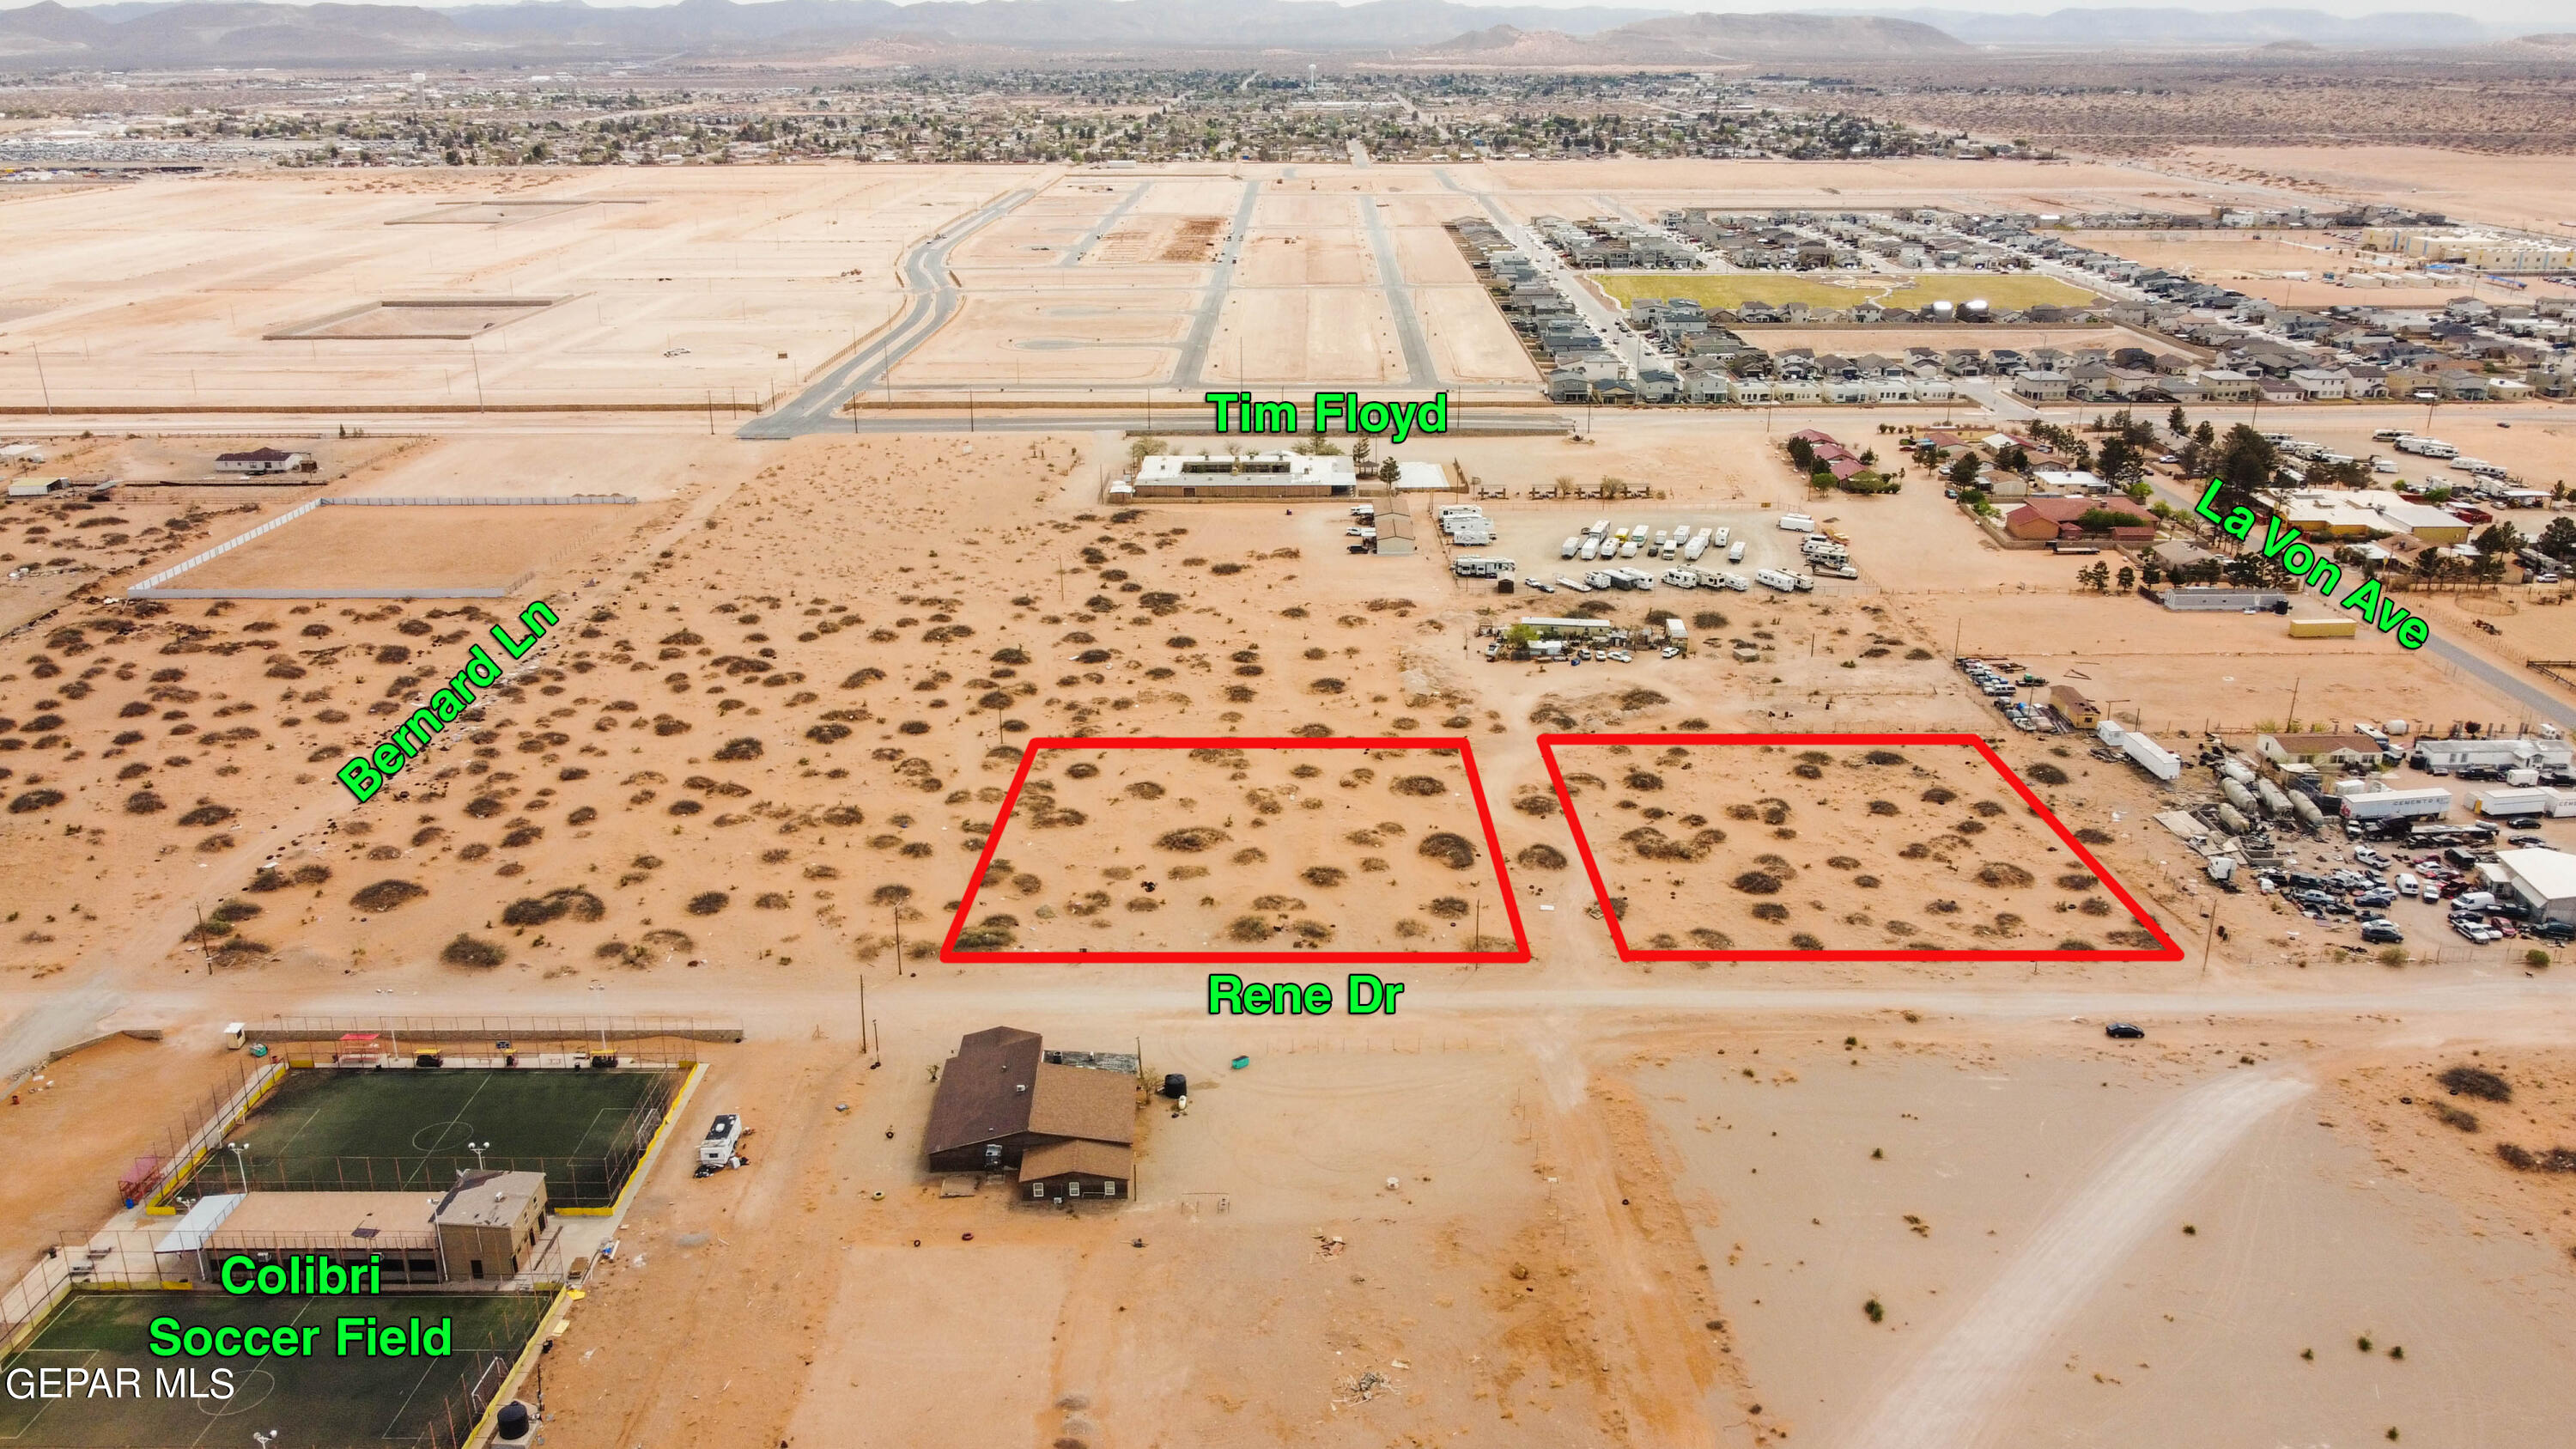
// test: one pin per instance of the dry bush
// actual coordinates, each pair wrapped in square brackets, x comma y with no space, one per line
[554,905]
[1189,840]
[1538,803]
[2451,1116]
[1757,883]
[1771,911]
[1540,857]
[2077,881]
[1081,770]
[1146,790]
[1882,807]
[1842,862]
[1251,930]
[2093,835]
[1448,848]
[467,950]
[1940,795]
[1277,903]
[35,800]
[1708,940]
[669,940]
[384,895]
[1884,757]
[2004,875]
[144,802]
[1418,785]
[1448,908]
[1806,942]
[707,903]
[2047,774]
[1323,875]
[2478,1082]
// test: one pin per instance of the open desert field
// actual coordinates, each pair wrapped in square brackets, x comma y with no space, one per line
[1810,848]
[1732,289]
[653,290]
[1210,849]
[2532,192]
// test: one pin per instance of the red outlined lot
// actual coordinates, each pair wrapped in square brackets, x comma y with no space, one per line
[1464,749]
[1549,744]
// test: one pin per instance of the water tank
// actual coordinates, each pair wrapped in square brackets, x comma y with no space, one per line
[2396,727]
[2234,819]
[2274,802]
[511,1425]
[2307,809]
[2238,796]
[2237,770]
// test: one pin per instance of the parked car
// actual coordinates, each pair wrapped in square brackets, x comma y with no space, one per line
[2381,933]
[2124,1031]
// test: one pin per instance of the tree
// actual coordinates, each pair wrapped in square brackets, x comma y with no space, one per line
[1963,471]
[2128,578]
[2205,435]
[2103,520]
[2499,540]
[1360,459]
[2154,570]
[2011,459]
[2098,578]
[2121,462]
[2175,420]
[1802,453]
[2558,540]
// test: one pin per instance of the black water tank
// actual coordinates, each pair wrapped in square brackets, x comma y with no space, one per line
[512,1426]
[1175,1086]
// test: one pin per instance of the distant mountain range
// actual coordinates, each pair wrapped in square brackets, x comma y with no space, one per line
[2160,26]
[131,33]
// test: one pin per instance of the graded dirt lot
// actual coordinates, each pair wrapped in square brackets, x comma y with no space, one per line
[420,547]
[1262,848]
[1801,847]
[2517,191]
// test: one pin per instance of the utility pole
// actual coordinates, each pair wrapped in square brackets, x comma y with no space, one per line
[2292,722]
[48,390]
[472,352]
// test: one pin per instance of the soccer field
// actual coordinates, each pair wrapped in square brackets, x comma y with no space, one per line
[325,1400]
[325,1130]
[1726,291]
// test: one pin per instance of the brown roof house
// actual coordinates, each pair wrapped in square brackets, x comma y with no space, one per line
[2043,519]
[1005,1103]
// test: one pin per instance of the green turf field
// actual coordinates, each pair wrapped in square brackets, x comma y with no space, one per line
[1729,290]
[325,1402]
[325,1129]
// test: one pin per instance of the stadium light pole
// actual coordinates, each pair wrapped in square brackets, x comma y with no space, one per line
[478,1149]
[241,1168]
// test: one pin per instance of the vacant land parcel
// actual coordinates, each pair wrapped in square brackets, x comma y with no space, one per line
[1832,847]
[393,550]
[330,1400]
[327,1129]
[1253,849]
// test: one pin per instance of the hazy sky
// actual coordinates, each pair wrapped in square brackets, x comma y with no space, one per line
[2549,14]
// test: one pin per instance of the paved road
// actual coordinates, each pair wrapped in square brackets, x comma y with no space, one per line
[1605,320]
[931,299]
[2523,690]
[1117,213]
[1420,370]
[1187,374]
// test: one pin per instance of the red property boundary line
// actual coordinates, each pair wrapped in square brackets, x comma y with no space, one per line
[1466,749]
[1547,747]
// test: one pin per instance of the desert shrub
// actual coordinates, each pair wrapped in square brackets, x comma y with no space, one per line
[1884,757]
[1986,808]
[1757,883]
[1882,807]
[1940,795]
[1806,942]
[484,807]
[769,901]
[1418,785]
[582,816]
[1448,848]
[1448,908]
[1842,862]
[467,950]
[1771,911]
[827,734]
[384,895]
[1189,840]
[1807,771]
[1538,802]
[1866,882]
[707,903]
[525,835]
[2093,835]
[1323,875]
[2093,906]
[205,815]
[2478,1082]
[2003,875]
[2047,774]
[232,911]
[2451,1116]
[666,726]
[1540,857]
[35,800]
[2077,881]
[844,815]
[669,940]
[1708,940]
[144,802]
[1081,770]
[745,748]
[1250,855]
[686,807]
[1248,929]
[1012,655]
[1146,790]
[1310,931]
[554,905]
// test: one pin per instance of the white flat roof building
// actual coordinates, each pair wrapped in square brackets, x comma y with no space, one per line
[2545,879]
[1247,475]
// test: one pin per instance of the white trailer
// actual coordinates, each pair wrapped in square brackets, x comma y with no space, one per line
[1591,548]
[1573,543]
[723,1136]
[2510,800]
[1693,549]
[1797,523]
[1735,551]
[1774,579]
[2376,805]
[2426,447]
[1682,578]
[1473,566]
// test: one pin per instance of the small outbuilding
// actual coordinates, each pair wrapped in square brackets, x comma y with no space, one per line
[2545,880]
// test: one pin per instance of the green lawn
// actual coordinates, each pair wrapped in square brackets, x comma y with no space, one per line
[325,1129]
[326,1402]
[1727,291]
